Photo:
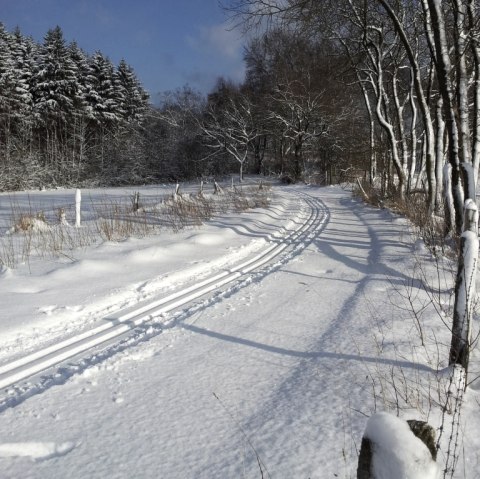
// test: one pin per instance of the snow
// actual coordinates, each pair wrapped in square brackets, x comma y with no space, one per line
[35,450]
[397,453]
[273,372]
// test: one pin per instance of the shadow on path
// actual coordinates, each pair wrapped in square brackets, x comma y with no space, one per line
[305,354]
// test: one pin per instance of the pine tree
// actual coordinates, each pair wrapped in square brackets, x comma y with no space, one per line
[80,65]
[54,86]
[55,83]
[79,122]
[65,115]
[7,91]
[133,98]
[102,96]
[23,64]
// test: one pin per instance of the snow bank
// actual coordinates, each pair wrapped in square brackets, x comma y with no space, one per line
[397,452]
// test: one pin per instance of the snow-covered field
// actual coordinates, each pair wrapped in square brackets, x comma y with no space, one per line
[254,346]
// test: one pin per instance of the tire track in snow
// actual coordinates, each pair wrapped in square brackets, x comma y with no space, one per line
[145,322]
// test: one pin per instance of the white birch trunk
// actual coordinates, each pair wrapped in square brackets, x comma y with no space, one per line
[444,69]
[462,89]
[402,140]
[465,288]
[439,156]
[449,208]
[424,107]
[475,47]
[413,134]
[391,136]
[373,157]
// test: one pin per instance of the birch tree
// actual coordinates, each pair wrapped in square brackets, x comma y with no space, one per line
[465,288]
[436,22]
[398,19]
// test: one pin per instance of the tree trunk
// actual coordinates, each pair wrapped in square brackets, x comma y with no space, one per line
[439,153]
[373,159]
[475,47]
[444,68]
[297,162]
[413,134]
[424,108]
[448,208]
[465,288]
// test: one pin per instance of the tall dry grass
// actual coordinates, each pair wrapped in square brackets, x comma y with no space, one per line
[50,233]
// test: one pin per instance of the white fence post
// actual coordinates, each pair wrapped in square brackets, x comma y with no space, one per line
[78,204]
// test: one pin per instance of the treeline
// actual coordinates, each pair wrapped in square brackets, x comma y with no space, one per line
[385,91]
[417,66]
[66,117]
[69,119]
[296,114]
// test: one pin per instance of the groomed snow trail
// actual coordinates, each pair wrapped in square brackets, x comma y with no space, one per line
[270,370]
[117,325]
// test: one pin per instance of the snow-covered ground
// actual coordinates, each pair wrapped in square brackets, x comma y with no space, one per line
[272,373]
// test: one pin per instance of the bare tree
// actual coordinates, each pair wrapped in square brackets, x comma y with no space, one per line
[417,86]
[298,114]
[231,128]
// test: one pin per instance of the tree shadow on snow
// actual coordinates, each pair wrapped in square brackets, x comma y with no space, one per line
[306,354]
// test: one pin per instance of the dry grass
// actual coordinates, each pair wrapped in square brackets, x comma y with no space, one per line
[51,234]
[430,228]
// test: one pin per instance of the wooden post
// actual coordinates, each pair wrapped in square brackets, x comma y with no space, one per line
[217,190]
[177,192]
[136,201]
[63,217]
[78,204]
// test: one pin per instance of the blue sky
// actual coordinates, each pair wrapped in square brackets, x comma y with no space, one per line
[168,42]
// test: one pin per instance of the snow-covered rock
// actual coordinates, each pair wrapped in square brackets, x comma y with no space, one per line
[396,453]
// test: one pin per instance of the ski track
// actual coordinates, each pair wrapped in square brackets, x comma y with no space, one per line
[140,323]
[77,319]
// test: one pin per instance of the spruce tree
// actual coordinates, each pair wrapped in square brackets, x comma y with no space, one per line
[55,83]
[133,98]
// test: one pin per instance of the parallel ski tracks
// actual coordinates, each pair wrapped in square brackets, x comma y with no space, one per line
[113,327]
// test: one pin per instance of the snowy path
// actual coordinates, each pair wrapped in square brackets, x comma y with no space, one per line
[118,324]
[276,365]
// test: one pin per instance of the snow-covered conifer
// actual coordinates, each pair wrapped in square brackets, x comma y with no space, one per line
[133,98]
[55,83]
[101,95]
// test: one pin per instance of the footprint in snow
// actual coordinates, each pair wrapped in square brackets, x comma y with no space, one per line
[37,451]
[118,398]
[48,310]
